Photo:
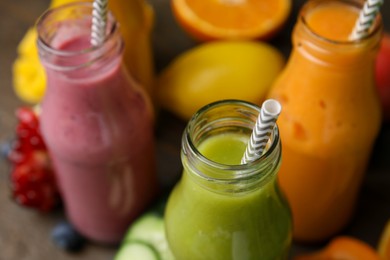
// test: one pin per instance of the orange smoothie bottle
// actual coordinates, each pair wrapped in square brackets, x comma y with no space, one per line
[331,116]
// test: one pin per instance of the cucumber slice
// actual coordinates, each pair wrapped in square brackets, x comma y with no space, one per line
[137,250]
[150,229]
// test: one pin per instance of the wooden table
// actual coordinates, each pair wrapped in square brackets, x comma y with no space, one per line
[25,234]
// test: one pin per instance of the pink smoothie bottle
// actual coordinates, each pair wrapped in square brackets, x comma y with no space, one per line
[97,123]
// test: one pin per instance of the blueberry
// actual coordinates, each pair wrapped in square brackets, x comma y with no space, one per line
[5,148]
[67,238]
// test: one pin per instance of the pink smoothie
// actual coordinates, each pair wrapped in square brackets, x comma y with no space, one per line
[99,130]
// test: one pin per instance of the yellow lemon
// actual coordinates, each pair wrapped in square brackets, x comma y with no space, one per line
[214,71]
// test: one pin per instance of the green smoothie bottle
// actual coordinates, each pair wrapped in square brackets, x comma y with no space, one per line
[222,210]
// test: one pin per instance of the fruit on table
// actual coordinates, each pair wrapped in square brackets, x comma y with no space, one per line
[136,19]
[218,70]
[29,78]
[382,74]
[32,177]
[67,238]
[384,242]
[343,248]
[231,19]
[5,148]
[145,238]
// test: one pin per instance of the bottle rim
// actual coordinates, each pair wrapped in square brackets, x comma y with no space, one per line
[264,167]
[110,44]
[377,25]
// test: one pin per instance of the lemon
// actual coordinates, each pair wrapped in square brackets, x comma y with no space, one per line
[214,71]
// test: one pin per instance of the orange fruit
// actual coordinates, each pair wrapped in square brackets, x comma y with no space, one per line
[231,19]
[384,243]
[343,248]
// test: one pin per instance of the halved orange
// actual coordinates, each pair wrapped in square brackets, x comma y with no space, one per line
[231,19]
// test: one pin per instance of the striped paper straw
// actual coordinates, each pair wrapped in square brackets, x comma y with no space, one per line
[99,22]
[261,132]
[367,17]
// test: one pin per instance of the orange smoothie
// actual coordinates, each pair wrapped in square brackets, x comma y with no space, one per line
[331,117]
[334,21]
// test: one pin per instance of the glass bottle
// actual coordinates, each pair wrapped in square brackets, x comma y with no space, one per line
[221,209]
[97,123]
[136,21]
[331,116]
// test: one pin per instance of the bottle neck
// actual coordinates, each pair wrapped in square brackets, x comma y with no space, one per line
[224,117]
[344,53]
[64,41]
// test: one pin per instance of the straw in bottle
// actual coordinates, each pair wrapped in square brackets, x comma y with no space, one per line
[367,17]
[265,123]
[99,22]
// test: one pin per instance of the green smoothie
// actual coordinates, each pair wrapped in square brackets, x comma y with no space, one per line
[205,224]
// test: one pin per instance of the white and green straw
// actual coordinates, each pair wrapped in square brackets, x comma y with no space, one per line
[99,22]
[262,130]
[367,17]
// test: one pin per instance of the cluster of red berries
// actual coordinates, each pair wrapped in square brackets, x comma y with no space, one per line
[32,178]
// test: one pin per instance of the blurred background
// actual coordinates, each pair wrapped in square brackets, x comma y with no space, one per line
[25,234]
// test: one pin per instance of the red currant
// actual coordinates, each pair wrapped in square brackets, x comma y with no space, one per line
[32,177]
